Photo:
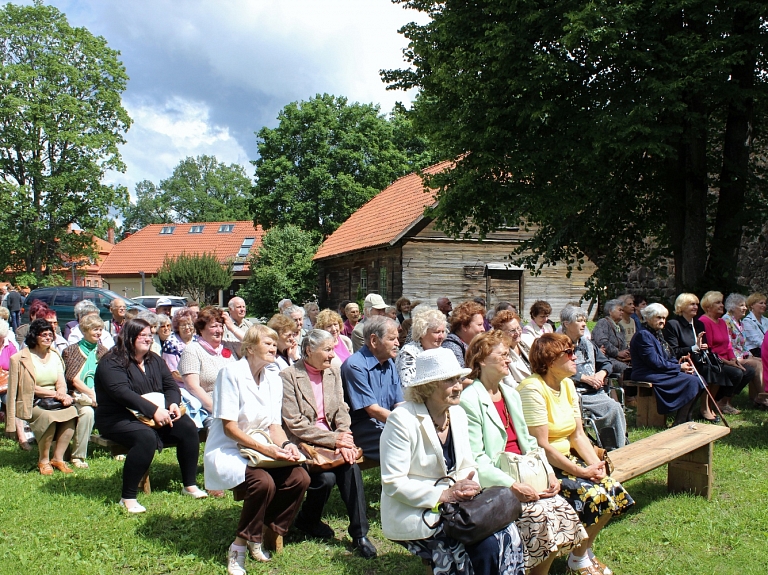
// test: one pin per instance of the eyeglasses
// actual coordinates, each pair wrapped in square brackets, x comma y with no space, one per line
[571,353]
[186,326]
[145,336]
[513,331]
[46,335]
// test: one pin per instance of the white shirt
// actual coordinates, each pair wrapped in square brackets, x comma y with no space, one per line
[237,397]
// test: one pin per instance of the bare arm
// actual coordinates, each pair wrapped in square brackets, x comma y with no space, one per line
[377,412]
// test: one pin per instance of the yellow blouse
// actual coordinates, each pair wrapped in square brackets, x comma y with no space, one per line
[558,410]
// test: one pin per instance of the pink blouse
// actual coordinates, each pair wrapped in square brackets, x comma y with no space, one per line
[342,351]
[8,349]
[316,379]
[718,337]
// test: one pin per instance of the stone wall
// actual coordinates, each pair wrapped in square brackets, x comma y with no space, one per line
[753,263]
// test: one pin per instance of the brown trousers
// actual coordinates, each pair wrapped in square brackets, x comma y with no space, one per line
[272,498]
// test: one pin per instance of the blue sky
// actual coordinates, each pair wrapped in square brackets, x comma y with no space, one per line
[206,75]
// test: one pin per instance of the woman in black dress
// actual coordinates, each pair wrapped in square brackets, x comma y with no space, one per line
[129,371]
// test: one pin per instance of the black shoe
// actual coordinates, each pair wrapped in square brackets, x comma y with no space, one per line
[364,547]
[319,531]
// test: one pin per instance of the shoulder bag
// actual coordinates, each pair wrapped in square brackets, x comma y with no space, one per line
[322,459]
[528,468]
[159,400]
[48,403]
[258,459]
[469,522]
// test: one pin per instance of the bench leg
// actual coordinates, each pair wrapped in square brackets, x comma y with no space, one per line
[647,416]
[272,541]
[144,484]
[692,472]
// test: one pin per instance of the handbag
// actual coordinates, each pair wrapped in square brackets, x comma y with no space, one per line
[3,381]
[708,365]
[82,398]
[159,400]
[469,522]
[528,468]
[49,403]
[258,459]
[322,459]
[602,455]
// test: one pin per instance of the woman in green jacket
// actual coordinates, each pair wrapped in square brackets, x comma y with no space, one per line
[548,525]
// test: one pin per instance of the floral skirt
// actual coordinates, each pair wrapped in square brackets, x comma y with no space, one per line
[592,500]
[449,557]
[549,525]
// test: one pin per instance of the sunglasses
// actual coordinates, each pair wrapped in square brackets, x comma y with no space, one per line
[571,353]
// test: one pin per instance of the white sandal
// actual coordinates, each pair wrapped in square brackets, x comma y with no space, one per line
[79,463]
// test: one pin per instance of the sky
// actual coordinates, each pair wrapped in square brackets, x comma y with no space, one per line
[206,74]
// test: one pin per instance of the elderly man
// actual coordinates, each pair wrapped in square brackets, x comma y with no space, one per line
[236,325]
[114,325]
[372,306]
[371,383]
[164,305]
[296,313]
[592,369]
[352,312]
[82,309]
[445,306]
[284,304]
[13,302]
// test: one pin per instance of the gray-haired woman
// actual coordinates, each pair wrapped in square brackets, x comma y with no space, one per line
[609,336]
[314,412]
[736,308]
[427,332]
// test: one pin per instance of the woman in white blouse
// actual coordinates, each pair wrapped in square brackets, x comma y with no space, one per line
[247,396]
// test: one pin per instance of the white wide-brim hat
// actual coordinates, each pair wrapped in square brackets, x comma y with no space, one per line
[437,365]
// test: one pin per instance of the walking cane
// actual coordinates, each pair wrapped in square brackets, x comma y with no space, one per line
[704,385]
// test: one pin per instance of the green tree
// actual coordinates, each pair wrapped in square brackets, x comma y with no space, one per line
[282,267]
[151,207]
[623,130]
[198,276]
[61,121]
[325,159]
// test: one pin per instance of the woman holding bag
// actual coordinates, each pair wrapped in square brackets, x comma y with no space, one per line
[548,525]
[314,412]
[248,397]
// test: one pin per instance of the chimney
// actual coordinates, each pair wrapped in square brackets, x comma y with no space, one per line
[111,235]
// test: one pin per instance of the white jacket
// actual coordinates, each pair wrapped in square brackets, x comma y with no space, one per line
[411,462]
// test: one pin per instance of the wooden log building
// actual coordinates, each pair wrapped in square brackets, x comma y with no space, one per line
[389,247]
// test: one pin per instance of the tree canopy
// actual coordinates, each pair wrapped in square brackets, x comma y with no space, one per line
[326,158]
[61,122]
[624,130]
[282,267]
[200,276]
[201,189]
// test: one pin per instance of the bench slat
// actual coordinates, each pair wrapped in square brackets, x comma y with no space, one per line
[659,449]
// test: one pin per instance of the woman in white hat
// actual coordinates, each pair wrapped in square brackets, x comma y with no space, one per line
[425,439]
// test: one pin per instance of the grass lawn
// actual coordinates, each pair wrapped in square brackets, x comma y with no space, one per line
[73,524]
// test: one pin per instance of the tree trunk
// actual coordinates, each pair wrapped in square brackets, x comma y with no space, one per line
[694,254]
[722,267]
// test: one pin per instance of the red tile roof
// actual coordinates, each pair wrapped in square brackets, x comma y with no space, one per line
[146,249]
[385,217]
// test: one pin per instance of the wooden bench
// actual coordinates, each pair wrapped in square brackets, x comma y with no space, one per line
[118,449]
[687,448]
[647,416]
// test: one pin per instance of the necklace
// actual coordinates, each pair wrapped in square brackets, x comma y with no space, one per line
[444,426]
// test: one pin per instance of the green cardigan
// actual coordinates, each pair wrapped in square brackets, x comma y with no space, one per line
[487,436]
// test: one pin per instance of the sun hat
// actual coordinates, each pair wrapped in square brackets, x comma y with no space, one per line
[437,365]
[163,301]
[375,301]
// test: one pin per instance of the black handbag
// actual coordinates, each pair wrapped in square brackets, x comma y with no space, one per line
[49,403]
[709,366]
[471,521]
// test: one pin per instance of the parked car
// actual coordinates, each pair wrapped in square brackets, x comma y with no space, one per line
[150,301]
[63,300]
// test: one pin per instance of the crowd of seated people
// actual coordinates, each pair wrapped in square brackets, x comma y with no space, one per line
[425,391]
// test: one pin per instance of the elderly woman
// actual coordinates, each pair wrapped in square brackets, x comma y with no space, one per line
[182,334]
[592,370]
[538,326]
[331,322]
[8,349]
[37,310]
[425,439]
[467,320]
[124,380]
[164,329]
[675,386]
[548,525]
[249,397]
[311,310]
[37,373]
[201,361]
[508,322]
[153,320]
[608,335]
[81,360]
[427,332]
[736,375]
[552,413]
[755,325]
[314,412]
[403,307]
[288,334]
[736,308]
